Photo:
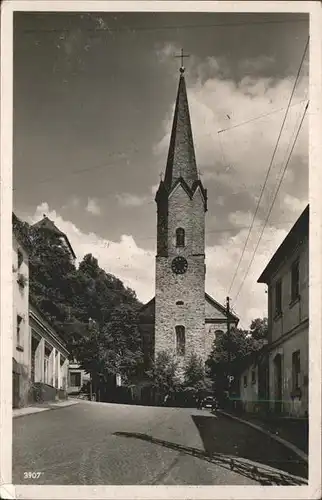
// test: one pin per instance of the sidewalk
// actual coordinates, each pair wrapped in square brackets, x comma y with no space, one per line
[37,408]
[291,432]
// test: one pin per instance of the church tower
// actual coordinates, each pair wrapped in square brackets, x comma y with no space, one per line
[180,261]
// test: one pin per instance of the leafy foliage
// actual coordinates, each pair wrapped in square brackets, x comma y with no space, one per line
[120,347]
[91,309]
[194,374]
[49,268]
[237,346]
[163,374]
[259,328]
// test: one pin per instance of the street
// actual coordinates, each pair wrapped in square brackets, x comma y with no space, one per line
[99,443]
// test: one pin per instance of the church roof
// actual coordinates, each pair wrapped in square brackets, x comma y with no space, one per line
[221,308]
[148,310]
[181,157]
[46,223]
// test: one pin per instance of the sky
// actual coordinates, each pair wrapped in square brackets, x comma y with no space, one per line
[94,97]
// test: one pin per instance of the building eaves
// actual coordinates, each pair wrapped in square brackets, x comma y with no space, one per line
[39,316]
[298,233]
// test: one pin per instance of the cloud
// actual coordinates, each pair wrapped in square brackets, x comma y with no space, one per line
[128,200]
[294,204]
[221,263]
[131,200]
[256,63]
[154,188]
[135,265]
[240,218]
[234,168]
[74,202]
[239,157]
[235,164]
[123,258]
[93,207]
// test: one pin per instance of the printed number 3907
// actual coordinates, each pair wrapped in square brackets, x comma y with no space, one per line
[32,475]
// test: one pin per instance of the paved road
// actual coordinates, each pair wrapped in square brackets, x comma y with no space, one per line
[99,443]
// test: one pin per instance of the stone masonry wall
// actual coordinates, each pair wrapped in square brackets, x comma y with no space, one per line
[189,287]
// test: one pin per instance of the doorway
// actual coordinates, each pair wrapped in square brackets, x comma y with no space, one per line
[15,390]
[278,405]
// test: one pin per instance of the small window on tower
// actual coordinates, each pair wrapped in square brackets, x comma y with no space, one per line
[181,340]
[180,237]
[179,302]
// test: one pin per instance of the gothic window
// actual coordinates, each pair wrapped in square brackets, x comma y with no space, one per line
[180,237]
[181,340]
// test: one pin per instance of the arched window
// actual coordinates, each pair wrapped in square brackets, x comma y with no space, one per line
[180,237]
[179,303]
[180,340]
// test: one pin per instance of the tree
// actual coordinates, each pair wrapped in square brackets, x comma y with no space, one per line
[194,374]
[50,266]
[120,344]
[259,328]
[92,310]
[163,374]
[85,345]
[241,343]
[97,293]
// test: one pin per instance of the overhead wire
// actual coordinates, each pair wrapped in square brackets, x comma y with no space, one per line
[258,117]
[165,27]
[227,229]
[105,165]
[272,204]
[270,167]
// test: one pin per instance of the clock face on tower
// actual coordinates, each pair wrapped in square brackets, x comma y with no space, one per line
[179,265]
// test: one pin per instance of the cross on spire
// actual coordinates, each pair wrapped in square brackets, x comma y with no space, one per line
[182,55]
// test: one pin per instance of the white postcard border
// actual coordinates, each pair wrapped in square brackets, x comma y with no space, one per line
[315,184]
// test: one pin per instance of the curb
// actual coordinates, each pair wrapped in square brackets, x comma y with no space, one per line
[40,410]
[280,440]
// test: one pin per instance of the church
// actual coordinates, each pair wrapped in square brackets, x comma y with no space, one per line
[181,318]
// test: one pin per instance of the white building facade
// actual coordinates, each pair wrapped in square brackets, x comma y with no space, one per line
[287,278]
[40,357]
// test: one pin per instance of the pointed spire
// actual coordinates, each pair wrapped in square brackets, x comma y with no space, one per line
[181,157]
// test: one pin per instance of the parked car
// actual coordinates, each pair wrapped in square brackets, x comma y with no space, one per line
[209,402]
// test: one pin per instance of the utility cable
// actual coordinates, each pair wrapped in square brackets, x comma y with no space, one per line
[270,167]
[106,28]
[272,204]
[258,117]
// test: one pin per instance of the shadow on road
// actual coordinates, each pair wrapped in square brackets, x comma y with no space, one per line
[221,435]
[263,475]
